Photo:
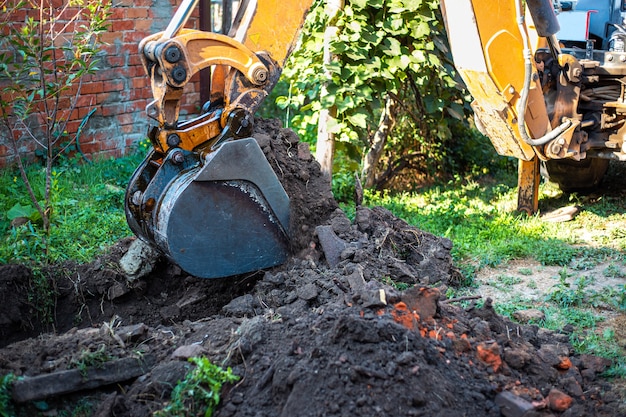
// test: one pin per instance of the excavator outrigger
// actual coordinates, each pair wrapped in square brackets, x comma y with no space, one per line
[207,197]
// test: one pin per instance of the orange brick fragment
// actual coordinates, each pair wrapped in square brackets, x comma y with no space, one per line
[490,354]
[434,334]
[402,315]
[565,364]
[559,401]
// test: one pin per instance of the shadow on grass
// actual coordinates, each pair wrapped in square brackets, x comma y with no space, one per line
[608,199]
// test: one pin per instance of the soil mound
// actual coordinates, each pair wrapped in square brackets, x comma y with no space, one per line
[325,334]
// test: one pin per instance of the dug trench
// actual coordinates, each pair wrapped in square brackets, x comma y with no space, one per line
[325,334]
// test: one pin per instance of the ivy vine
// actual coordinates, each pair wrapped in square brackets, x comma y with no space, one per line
[383,48]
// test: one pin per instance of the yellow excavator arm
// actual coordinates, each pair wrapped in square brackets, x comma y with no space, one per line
[247,64]
[206,195]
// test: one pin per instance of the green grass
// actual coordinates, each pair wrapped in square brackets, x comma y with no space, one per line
[504,281]
[486,229]
[87,211]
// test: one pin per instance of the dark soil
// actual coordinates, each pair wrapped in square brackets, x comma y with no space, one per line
[306,338]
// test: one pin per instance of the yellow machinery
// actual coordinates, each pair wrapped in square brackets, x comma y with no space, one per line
[548,85]
[207,197]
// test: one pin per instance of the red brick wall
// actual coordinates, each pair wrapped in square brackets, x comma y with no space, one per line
[120,90]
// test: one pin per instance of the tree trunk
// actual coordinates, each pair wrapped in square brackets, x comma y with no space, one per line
[325,148]
[377,144]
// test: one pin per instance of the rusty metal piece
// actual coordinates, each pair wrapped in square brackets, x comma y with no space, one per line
[173,140]
[568,144]
[509,93]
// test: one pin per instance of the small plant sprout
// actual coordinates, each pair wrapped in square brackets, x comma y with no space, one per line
[6,408]
[199,392]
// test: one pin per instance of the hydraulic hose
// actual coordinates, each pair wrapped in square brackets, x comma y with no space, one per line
[523,102]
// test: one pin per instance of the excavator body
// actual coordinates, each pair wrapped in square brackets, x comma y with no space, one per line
[547,78]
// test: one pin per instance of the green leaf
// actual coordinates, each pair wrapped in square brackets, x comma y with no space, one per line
[391,47]
[359,4]
[418,56]
[420,29]
[339,47]
[370,36]
[345,104]
[28,212]
[282,101]
[359,120]
[356,53]
[334,126]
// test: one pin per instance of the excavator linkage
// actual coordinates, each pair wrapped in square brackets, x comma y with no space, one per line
[206,196]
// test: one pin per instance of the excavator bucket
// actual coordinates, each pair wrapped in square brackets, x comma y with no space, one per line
[215,216]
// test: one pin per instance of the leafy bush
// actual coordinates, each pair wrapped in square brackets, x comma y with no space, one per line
[384,50]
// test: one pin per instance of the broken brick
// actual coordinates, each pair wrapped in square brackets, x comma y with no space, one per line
[558,400]
[489,353]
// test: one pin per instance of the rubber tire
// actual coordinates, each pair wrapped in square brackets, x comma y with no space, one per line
[573,176]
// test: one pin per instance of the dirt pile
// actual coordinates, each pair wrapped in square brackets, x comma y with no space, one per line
[325,334]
